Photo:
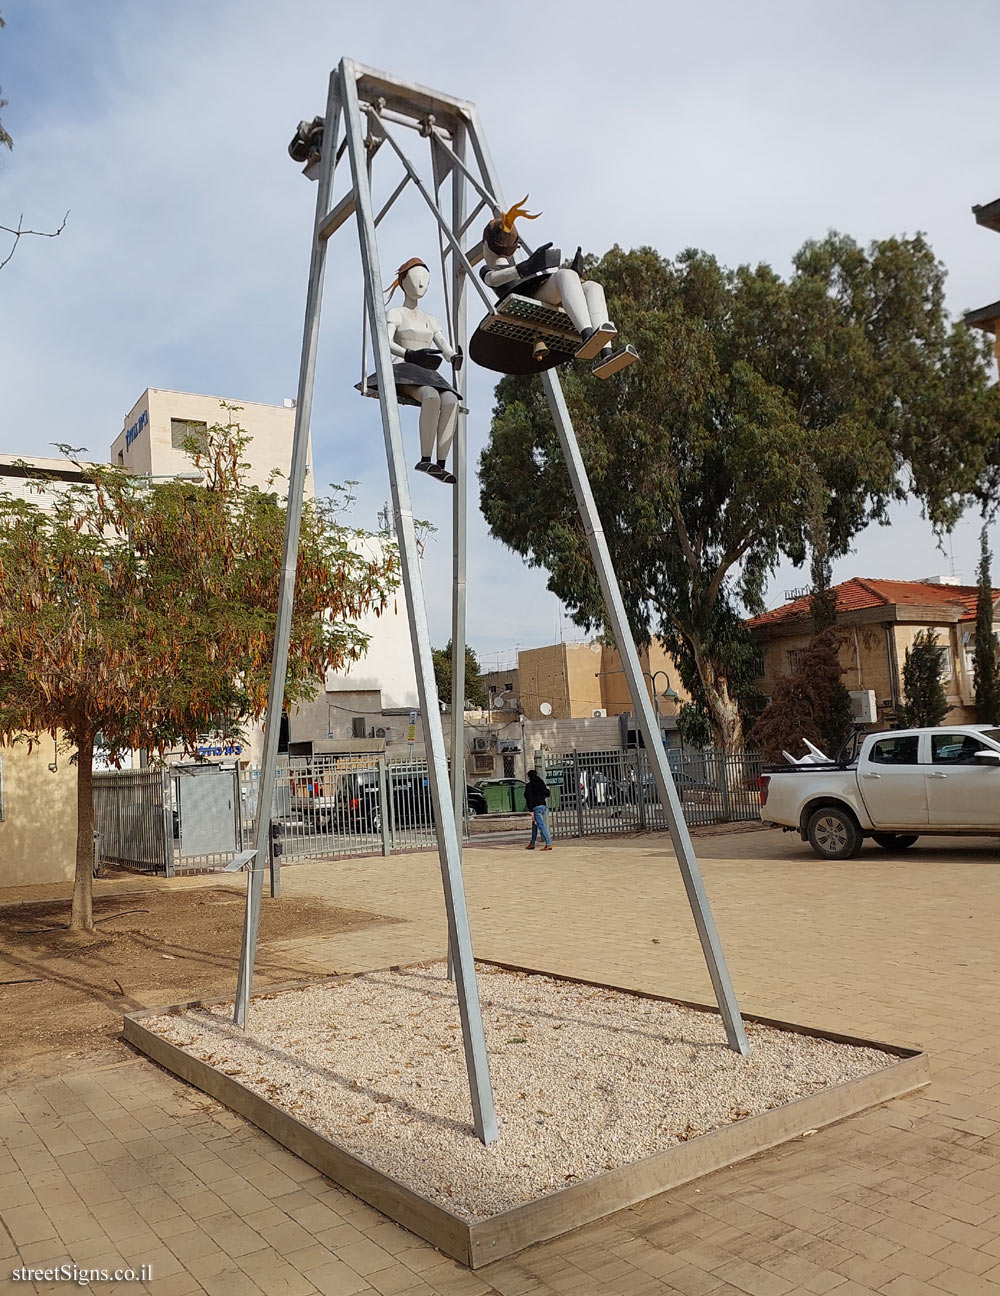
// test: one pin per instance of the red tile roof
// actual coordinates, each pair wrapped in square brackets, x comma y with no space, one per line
[860,593]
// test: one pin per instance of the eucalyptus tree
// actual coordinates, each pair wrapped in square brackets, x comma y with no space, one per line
[757,396]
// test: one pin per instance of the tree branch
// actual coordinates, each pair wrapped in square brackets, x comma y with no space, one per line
[684,539]
[19,230]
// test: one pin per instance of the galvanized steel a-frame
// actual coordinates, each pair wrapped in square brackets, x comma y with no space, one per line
[369,103]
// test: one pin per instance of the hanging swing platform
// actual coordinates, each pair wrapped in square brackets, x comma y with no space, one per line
[524,336]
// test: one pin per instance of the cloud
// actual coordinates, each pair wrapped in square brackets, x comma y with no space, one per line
[743,129]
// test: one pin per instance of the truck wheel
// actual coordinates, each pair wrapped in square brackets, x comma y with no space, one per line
[834,833]
[894,841]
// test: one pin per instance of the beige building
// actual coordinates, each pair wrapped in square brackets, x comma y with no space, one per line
[37,814]
[878,620]
[158,424]
[586,680]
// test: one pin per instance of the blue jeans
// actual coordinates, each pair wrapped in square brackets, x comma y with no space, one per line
[539,825]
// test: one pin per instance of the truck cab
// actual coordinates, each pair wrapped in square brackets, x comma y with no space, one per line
[902,785]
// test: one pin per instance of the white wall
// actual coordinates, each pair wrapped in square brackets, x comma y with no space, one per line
[387,666]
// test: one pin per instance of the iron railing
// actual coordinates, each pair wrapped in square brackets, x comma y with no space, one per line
[332,807]
[614,791]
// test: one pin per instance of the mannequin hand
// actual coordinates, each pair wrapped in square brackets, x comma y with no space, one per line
[544,258]
[457,358]
[577,263]
[427,357]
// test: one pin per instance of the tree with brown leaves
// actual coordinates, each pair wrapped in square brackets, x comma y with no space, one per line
[144,613]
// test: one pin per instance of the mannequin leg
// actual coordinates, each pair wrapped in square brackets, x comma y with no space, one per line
[430,416]
[563,288]
[446,424]
[597,305]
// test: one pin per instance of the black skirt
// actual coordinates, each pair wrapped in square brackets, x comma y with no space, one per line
[407,374]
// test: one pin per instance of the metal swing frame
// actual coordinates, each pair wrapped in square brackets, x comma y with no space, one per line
[366,102]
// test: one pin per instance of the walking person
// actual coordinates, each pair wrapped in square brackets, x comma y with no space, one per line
[536,794]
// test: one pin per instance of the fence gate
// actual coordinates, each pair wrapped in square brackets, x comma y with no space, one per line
[208,817]
[133,819]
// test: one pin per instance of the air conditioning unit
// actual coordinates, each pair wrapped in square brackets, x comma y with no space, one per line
[481,744]
[382,732]
[599,713]
[863,707]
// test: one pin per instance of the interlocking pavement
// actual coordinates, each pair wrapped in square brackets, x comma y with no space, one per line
[125,1166]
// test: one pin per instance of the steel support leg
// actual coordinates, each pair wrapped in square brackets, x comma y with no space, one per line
[484,1118]
[286,595]
[459,327]
[646,718]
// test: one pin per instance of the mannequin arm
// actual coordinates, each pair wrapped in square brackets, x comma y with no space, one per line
[502,271]
[391,326]
[443,345]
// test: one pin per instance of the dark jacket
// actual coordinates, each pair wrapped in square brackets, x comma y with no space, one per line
[535,794]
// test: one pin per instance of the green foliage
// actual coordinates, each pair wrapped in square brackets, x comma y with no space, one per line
[145,612]
[755,396]
[986,669]
[475,689]
[924,702]
[810,703]
[693,726]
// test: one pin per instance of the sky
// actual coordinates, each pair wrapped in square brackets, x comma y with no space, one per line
[741,129]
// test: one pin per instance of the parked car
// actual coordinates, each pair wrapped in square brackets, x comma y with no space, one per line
[900,785]
[354,805]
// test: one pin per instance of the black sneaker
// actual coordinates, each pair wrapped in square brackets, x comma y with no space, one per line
[441,473]
[424,465]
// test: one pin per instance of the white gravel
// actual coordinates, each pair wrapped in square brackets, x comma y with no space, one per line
[585,1080]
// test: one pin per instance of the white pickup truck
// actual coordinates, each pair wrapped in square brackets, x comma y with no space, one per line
[899,786]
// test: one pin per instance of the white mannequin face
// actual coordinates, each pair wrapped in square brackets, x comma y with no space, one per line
[416,281]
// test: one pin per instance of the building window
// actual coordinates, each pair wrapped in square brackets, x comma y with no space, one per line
[483,763]
[184,431]
[795,656]
[757,663]
[508,766]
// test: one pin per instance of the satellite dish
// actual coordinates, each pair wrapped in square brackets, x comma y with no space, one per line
[498,703]
[545,708]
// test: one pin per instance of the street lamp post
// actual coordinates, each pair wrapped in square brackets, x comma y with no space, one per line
[667,692]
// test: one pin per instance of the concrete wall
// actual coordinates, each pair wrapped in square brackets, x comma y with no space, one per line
[147,427]
[660,671]
[38,828]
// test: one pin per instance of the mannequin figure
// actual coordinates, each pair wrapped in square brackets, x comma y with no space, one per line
[418,345]
[541,276]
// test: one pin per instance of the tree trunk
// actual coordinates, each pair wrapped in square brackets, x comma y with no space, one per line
[727,723]
[82,918]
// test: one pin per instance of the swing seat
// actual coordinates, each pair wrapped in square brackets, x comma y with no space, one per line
[524,336]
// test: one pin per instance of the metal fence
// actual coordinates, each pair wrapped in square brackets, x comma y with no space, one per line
[192,818]
[196,817]
[614,791]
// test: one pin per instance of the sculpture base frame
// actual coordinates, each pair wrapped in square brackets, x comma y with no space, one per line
[504,1234]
